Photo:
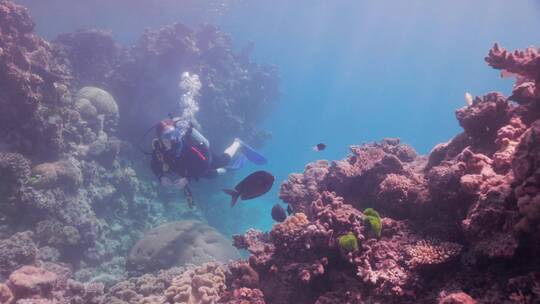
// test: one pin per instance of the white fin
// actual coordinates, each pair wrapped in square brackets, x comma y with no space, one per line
[468,99]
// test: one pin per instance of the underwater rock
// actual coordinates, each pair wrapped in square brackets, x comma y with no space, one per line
[179,243]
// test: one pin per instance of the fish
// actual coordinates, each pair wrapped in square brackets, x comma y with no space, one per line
[278,213]
[289,210]
[319,147]
[507,74]
[254,185]
[468,99]
[189,197]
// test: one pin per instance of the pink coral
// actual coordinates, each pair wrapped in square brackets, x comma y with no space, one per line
[525,63]
[30,280]
[244,296]
[456,298]
[6,296]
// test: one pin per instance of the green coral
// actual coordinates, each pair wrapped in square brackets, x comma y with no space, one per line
[34,179]
[371,212]
[348,242]
[374,219]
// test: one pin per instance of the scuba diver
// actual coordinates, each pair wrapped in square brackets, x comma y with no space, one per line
[180,155]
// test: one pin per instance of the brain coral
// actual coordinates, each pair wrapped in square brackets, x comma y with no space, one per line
[101,100]
[180,243]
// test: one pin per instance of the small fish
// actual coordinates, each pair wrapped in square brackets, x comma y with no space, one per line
[254,185]
[289,210]
[189,197]
[468,99]
[278,213]
[319,147]
[506,74]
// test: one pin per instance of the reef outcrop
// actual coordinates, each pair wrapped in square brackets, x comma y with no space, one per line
[463,218]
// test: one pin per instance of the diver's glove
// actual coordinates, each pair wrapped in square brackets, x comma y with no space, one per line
[221,171]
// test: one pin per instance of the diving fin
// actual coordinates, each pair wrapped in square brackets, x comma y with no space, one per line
[237,162]
[234,195]
[251,154]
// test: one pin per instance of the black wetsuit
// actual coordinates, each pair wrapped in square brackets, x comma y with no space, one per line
[194,162]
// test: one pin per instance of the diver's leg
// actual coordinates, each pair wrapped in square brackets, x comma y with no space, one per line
[220,161]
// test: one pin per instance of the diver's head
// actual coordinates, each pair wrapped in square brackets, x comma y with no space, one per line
[166,132]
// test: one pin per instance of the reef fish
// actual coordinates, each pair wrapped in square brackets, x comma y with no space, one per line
[468,99]
[278,213]
[507,74]
[289,210]
[319,147]
[254,185]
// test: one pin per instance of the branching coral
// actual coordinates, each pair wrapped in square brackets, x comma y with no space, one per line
[429,253]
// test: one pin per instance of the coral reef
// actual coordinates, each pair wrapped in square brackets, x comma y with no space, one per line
[49,283]
[470,205]
[73,188]
[460,225]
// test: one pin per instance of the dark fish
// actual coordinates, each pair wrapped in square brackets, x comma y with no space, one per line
[289,210]
[278,213]
[319,147]
[255,185]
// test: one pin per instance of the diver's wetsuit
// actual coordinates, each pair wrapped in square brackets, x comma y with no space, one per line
[193,162]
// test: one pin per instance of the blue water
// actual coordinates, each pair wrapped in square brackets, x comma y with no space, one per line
[351,71]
